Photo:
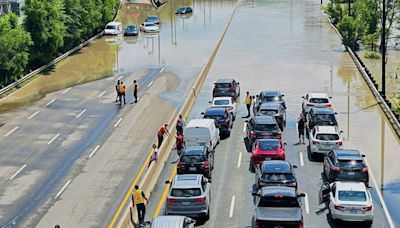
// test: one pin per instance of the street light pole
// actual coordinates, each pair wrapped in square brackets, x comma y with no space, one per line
[349,8]
[383,45]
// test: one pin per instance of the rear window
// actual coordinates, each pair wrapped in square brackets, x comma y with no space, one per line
[193,132]
[278,201]
[217,118]
[111,27]
[193,158]
[327,137]
[271,99]
[325,117]
[280,224]
[268,145]
[222,85]
[356,196]
[346,164]
[278,177]
[268,112]
[221,102]
[186,192]
[266,127]
[319,100]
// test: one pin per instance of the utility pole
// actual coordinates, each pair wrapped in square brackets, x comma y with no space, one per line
[383,45]
[349,8]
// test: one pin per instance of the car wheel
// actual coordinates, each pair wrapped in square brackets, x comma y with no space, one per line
[233,117]
[207,216]
[251,167]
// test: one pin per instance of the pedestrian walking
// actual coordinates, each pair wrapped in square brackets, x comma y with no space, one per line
[139,199]
[180,124]
[122,89]
[117,90]
[180,143]
[160,134]
[154,156]
[247,101]
[135,90]
[301,123]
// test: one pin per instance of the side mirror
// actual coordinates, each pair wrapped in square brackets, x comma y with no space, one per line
[341,132]
[303,97]
[167,182]
[246,121]
[330,97]
[301,195]
[202,113]
[192,221]
[209,180]
[254,193]
[283,95]
[285,144]
[209,102]
[363,155]
[294,166]
[335,113]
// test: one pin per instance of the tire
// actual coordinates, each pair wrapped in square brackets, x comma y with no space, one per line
[251,167]
[207,216]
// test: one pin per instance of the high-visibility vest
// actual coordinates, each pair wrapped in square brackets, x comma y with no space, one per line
[138,196]
[248,100]
[122,88]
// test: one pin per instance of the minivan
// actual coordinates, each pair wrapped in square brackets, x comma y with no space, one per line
[202,132]
[113,28]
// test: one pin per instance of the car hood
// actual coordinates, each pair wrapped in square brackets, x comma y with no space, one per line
[279,213]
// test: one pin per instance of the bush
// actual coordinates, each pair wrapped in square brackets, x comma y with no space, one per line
[372,55]
[348,29]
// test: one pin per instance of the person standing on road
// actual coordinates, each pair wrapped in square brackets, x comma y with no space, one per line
[117,90]
[247,101]
[154,156]
[160,134]
[139,199]
[135,89]
[301,123]
[180,143]
[180,124]
[122,90]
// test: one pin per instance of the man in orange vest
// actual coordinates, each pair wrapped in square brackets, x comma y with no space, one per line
[160,134]
[139,199]
[135,89]
[122,90]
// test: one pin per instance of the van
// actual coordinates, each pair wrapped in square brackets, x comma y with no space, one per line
[172,221]
[113,28]
[202,132]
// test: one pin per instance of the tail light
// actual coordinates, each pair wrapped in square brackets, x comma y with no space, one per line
[335,169]
[365,170]
[328,105]
[205,164]
[256,225]
[280,133]
[314,142]
[339,208]
[369,208]
[230,108]
[200,200]
[301,225]
[232,88]
[252,133]
[180,165]
[169,200]
[339,143]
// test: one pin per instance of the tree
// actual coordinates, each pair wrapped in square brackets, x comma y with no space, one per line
[367,16]
[73,24]
[349,29]
[109,9]
[14,47]
[44,20]
[91,17]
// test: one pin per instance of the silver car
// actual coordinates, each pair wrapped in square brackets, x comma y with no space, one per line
[189,195]
[172,221]
[323,139]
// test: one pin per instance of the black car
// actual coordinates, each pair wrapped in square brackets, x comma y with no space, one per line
[222,117]
[277,207]
[226,88]
[273,109]
[197,160]
[268,96]
[183,10]
[262,127]
[321,117]
[131,30]
[275,173]
[346,164]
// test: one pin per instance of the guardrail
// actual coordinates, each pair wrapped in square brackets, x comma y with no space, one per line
[150,178]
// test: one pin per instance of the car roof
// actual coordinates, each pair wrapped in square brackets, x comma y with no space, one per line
[131,26]
[278,190]
[168,221]
[222,98]
[350,186]
[270,105]
[187,181]
[194,150]
[318,95]
[114,23]
[327,129]
[348,154]
[214,111]
[264,119]
[224,80]
[271,93]
[152,16]
[276,166]
[148,22]
[318,110]
[200,123]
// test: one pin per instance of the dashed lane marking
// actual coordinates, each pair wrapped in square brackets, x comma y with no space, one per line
[66,91]
[118,122]
[54,138]
[50,102]
[239,160]
[232,207]
[151,83]
[301,159]
[306,204]
[10,132]
[94,151]
[162,69]
[62,189]
[102,94]
[33,115]
[16,173]
[81,113]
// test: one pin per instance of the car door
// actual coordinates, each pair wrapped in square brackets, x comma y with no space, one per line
[328,163]
[323,194]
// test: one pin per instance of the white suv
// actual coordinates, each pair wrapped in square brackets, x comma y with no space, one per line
[323,139]
[318,100]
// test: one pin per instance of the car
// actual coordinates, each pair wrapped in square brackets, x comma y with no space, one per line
[226,88]
[267,149]
[223,119]
[273,109]
[131,30]
[113,28]
[277,206]
[346,164]
[320,117]
[149,27]
[189,195]
[225,102]
[318,100]
[275,173]
[172,221]
[268,96]
[196,159]
[202,132]
[323,139]
[153,19]
[348,201]
[261,127]
[184,10]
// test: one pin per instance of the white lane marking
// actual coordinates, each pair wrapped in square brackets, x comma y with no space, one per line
[33,115]
[16,173]
[378,191]
[306,204]
[102,94]
[63,189]
[66,91]
[81,113]
[94,151]
[10,132]
[151,83]
[301,159]
[240,159]
[54,138]
[118,122]
[232,207]
[120,77]
[50,102]
[244,127]
[162,69]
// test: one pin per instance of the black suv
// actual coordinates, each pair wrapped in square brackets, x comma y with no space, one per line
[275,173]
[321,117]
[222,117]
[269,97]
[262,127]
[277,207]
[226,88]
[346,165]
[273,109]
[196,159]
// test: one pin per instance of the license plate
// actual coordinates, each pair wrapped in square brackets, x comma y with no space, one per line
[185,203]
[351,173]
[268,158]
[192,168]
[278,226]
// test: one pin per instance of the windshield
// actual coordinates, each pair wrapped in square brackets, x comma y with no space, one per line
[187,192]
[356,196]
[221,102]
[278,201]
[325,117]
[268,112]
[319,100]
[271,99]
[268,145]
[222,85]
[193,158]
[355,164]
[278,177]
[266,127]
[217,118]
[111,27]
[149,24]
[327,137]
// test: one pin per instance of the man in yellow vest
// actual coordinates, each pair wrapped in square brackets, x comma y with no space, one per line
[247,101]
[139,199]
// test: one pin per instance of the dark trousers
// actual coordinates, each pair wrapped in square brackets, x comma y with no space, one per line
[122,95]
[135,95]
[160,139]
[179,128]
[248,109]
[141,210]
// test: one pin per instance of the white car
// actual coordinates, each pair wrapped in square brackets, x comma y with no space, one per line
[149,27]
[113,28]
[349,201]
[225,102]
[318,100]
[323,139]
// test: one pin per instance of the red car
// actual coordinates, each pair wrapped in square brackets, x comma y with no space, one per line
[267,149]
